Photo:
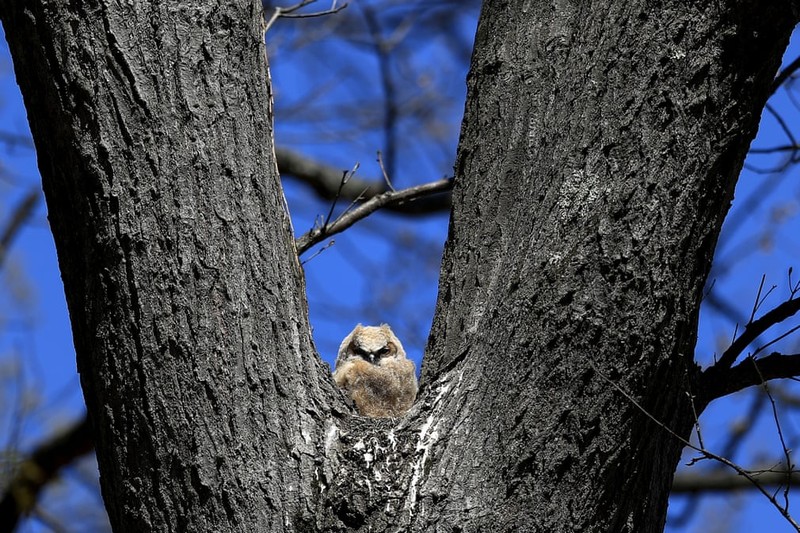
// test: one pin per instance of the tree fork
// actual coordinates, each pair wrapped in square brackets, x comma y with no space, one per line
[597,159]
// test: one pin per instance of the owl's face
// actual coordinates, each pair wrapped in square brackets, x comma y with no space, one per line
[371,343]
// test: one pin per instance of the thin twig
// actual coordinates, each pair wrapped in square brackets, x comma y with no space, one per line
[702,451]
[345,178]
[758,297]
[289,12]
[383,48]
[783,148]
[696,421]
[773,341]
[325,179]
[782,123]
[789,466]
[315,254]
[373,204]
[21,214]
[784,74]
[383,171]
[722,481]
[793,287]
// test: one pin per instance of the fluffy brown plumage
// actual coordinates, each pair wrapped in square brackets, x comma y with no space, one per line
[372,367]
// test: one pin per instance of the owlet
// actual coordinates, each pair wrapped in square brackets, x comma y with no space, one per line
[372,367]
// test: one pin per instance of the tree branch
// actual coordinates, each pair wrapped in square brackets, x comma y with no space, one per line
[752,332]
[751,371]
[13,140]
[783,148]
[325,181]
[724,481]
[22,213]
[22,491]
[783,75]
[348,218]
[290,12]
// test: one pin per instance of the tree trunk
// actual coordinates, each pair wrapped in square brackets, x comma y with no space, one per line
[599,151]
[153,132]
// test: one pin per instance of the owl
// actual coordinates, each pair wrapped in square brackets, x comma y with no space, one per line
[372,367]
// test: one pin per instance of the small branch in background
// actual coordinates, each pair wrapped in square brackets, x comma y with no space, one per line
[779,429]
[290,12]
[786,130]
[14,140]
[776,149]
[385,174]
[383,54]
[349,218]
[793,287]
[790,69]
[752,331]
[33,473]
[315,254]
[759,300]
[724,481]
[325,181]
[345,178]
[704,454]
[21,214]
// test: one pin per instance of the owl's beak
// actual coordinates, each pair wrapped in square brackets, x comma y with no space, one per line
[372,358]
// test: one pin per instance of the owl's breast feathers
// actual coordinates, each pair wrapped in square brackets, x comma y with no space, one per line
[384,389]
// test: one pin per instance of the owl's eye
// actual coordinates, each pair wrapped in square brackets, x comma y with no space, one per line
[360,352]
[383,351]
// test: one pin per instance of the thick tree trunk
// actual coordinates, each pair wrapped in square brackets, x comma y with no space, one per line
[152,124]
[599,151]
[600,146]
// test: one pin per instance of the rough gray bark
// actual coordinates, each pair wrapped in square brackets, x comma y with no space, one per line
[152,127]
[599,150]
[600,147]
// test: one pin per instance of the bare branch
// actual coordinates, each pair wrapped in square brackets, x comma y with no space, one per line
[783,125]
[752,331]
[345,178]
[751,371]
[13,140]
[373,204]
[382,48]
[325,181]
[782,148]
[790,69]
[751,477]
[23,212]
[725,481]
[383,171]
[759,300]
[290,12]
[786,452]
[40,468]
